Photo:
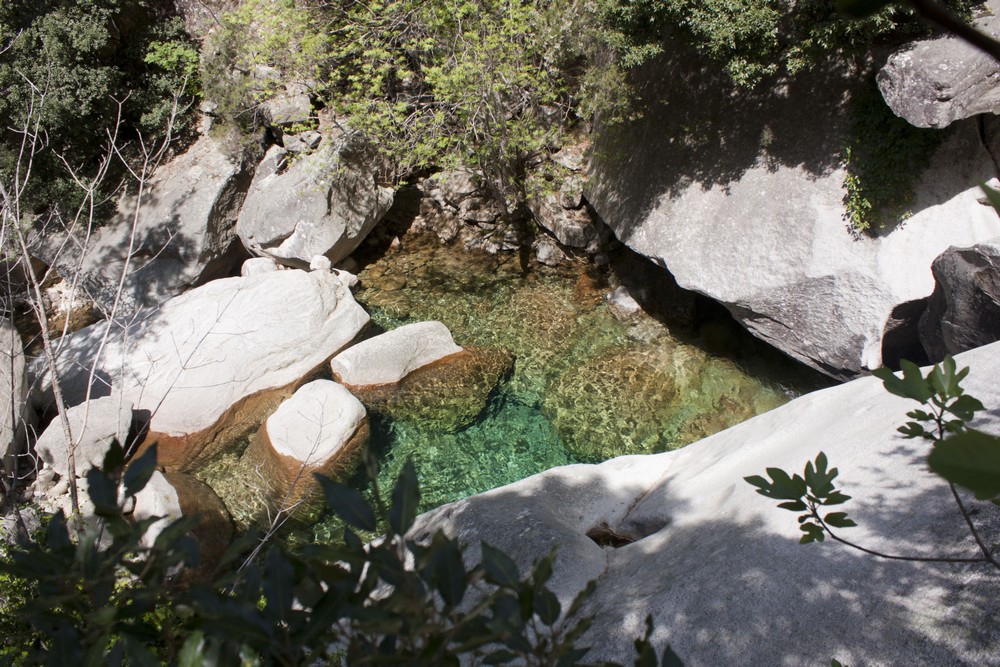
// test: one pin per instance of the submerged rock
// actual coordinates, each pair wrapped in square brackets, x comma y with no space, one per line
[417,372]
[176,495]
[207,367]
[683,537]
[322,429]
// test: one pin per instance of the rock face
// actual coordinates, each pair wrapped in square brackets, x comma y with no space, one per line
[13,393]
[207,367]
[324,203]
[389,357]
[719,567]
[934,82]
[964,310]
[751,214]
[321,429]
[93,425]
[185,232]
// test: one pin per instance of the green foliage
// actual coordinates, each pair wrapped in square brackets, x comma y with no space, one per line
[754,39]
[107,598]
[806,493]
[961,455]
[74,67]
[882,157]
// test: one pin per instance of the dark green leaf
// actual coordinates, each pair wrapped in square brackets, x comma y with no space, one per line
[348,504]
[192,653]
[500,657]
[970,459]
[812,533]
[547,606]
[793,506]
[140,471]
[405,498]
[861,8]
[912,430]
[278,585]
[836,498]
[449,576]
[103,492]
[499,567]
[839,520]
[114,459]
[965,407]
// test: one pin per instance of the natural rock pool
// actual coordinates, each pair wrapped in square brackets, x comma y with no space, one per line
[584,386]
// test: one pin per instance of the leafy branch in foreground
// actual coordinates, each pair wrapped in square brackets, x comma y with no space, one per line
[396,599]
[960,454]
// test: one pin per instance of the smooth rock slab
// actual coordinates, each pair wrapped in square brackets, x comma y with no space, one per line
[13,393]
[322,429]
[94,425]
[209,366]
[719,567]
[389,357]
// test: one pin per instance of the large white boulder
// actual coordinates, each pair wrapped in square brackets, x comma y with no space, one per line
[741,197]
[720,568]
[323,203]
[209,366]
[321,429]
[94,425]
[389,357]
[184,232]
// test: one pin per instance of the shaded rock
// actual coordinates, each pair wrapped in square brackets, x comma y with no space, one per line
[964,310]
[16,414]
[185,232]
[719,567]
[322,429]
[324,203]
[209,366]
[202,17]
[934,82]
[94,425]
[752,214]
[176,495]
[445,395]
[389,357]
[291,106]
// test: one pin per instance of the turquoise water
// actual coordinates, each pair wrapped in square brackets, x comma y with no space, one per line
[584,386]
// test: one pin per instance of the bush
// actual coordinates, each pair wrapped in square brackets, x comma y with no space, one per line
[395,600]
[74,67]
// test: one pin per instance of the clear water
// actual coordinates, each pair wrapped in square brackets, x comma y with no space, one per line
[584,387]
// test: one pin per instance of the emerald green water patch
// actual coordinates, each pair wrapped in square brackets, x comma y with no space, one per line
[584,386]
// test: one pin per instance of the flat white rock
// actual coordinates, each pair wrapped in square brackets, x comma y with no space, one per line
[389,357]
